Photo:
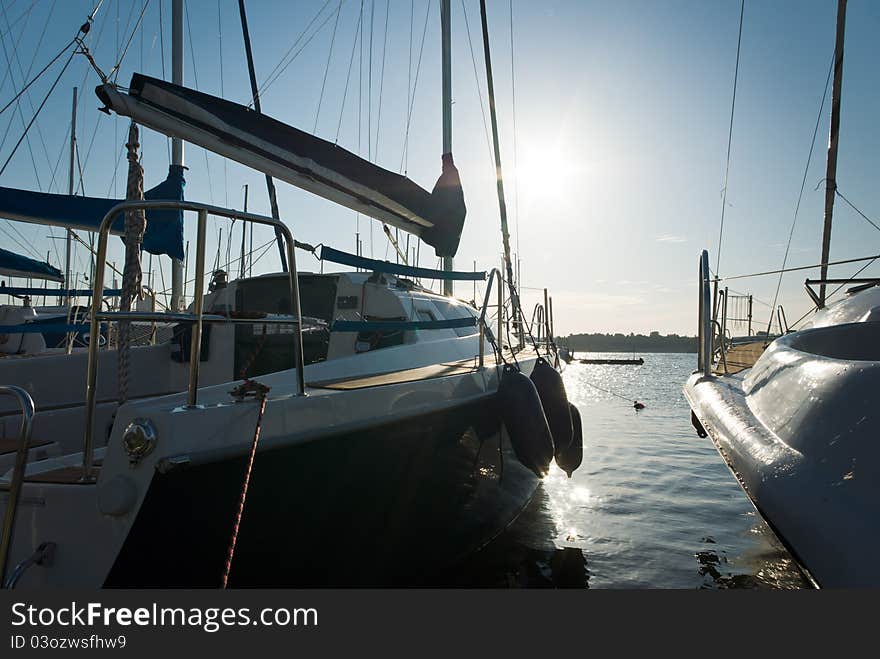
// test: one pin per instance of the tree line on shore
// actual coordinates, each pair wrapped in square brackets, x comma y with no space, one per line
[653,342]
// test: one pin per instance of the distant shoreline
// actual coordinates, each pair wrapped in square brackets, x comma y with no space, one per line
[654,342]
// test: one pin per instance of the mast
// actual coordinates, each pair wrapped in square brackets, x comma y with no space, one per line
[177,301]
[70,187]
[270,184]
[446,32]
[499,177]
[833,138]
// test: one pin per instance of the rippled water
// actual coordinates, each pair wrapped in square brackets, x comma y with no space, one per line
[652,505]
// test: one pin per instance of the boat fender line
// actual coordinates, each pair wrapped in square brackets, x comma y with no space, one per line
[698,426]
[523,416]
[554,400]
[570,459]
[257,391]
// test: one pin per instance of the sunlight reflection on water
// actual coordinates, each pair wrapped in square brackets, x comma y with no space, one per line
[652,506]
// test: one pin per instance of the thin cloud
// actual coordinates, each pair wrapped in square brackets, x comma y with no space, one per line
[669,238]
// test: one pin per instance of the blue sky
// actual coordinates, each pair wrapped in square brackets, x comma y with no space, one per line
[622,114]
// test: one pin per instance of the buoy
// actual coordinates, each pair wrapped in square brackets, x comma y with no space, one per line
[570,459]
[554,400]
[523,416]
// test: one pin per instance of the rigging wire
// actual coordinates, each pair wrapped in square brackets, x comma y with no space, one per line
[347,81]
[25,74]
[223,95]
[98,117]
[513,104]
[800,196]
[18,111]
[25,246]
[795,269]
[412,9]
[381,80]
[370,103]
[18,41]
[37,113]
[327,67]
[115,70]
[836,290]
[37,77]
[20,16]
[730,136]
[164,77]
[192,54]
[370,97]
[851,205]
[479,88]
[270,79]
[404,161]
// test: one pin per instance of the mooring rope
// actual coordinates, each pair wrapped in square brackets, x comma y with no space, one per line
[260,391]
[135,226]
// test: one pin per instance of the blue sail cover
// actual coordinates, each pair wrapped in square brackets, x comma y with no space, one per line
[164,233]
[15,265]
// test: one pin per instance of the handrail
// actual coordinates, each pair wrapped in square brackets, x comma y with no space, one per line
[721,347]
[782,320]
[704,353]
[24,437]
[493,274]
[203,211]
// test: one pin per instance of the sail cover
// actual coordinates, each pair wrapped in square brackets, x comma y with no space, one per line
[164,227]
[15,265]
[306,161]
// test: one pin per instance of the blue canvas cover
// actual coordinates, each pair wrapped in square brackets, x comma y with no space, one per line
[16,265]
[164,233]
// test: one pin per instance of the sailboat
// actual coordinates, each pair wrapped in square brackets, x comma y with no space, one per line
[798,426]
[360,428]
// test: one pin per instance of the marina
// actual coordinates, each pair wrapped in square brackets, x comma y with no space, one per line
[341,332]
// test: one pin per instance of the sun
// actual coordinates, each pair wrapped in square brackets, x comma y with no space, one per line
[543,172]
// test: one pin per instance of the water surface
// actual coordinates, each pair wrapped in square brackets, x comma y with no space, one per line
[652,505]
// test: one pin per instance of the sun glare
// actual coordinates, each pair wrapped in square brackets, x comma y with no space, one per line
[543,173]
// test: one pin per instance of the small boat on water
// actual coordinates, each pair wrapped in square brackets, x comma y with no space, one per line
[796,417]
[636,361]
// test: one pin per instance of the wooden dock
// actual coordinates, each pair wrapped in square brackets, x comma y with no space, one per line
[741,357]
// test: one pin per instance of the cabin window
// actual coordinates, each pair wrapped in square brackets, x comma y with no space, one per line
[451,311]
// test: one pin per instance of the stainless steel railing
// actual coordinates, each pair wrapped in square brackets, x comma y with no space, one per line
[493,275]
[197,316]
[14,488]
[704,350]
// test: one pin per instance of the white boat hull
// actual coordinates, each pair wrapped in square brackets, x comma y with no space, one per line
[799,430]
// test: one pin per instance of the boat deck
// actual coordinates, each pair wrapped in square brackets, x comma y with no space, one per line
[461,367]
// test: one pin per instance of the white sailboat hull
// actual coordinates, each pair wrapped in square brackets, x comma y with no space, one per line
[799,430]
